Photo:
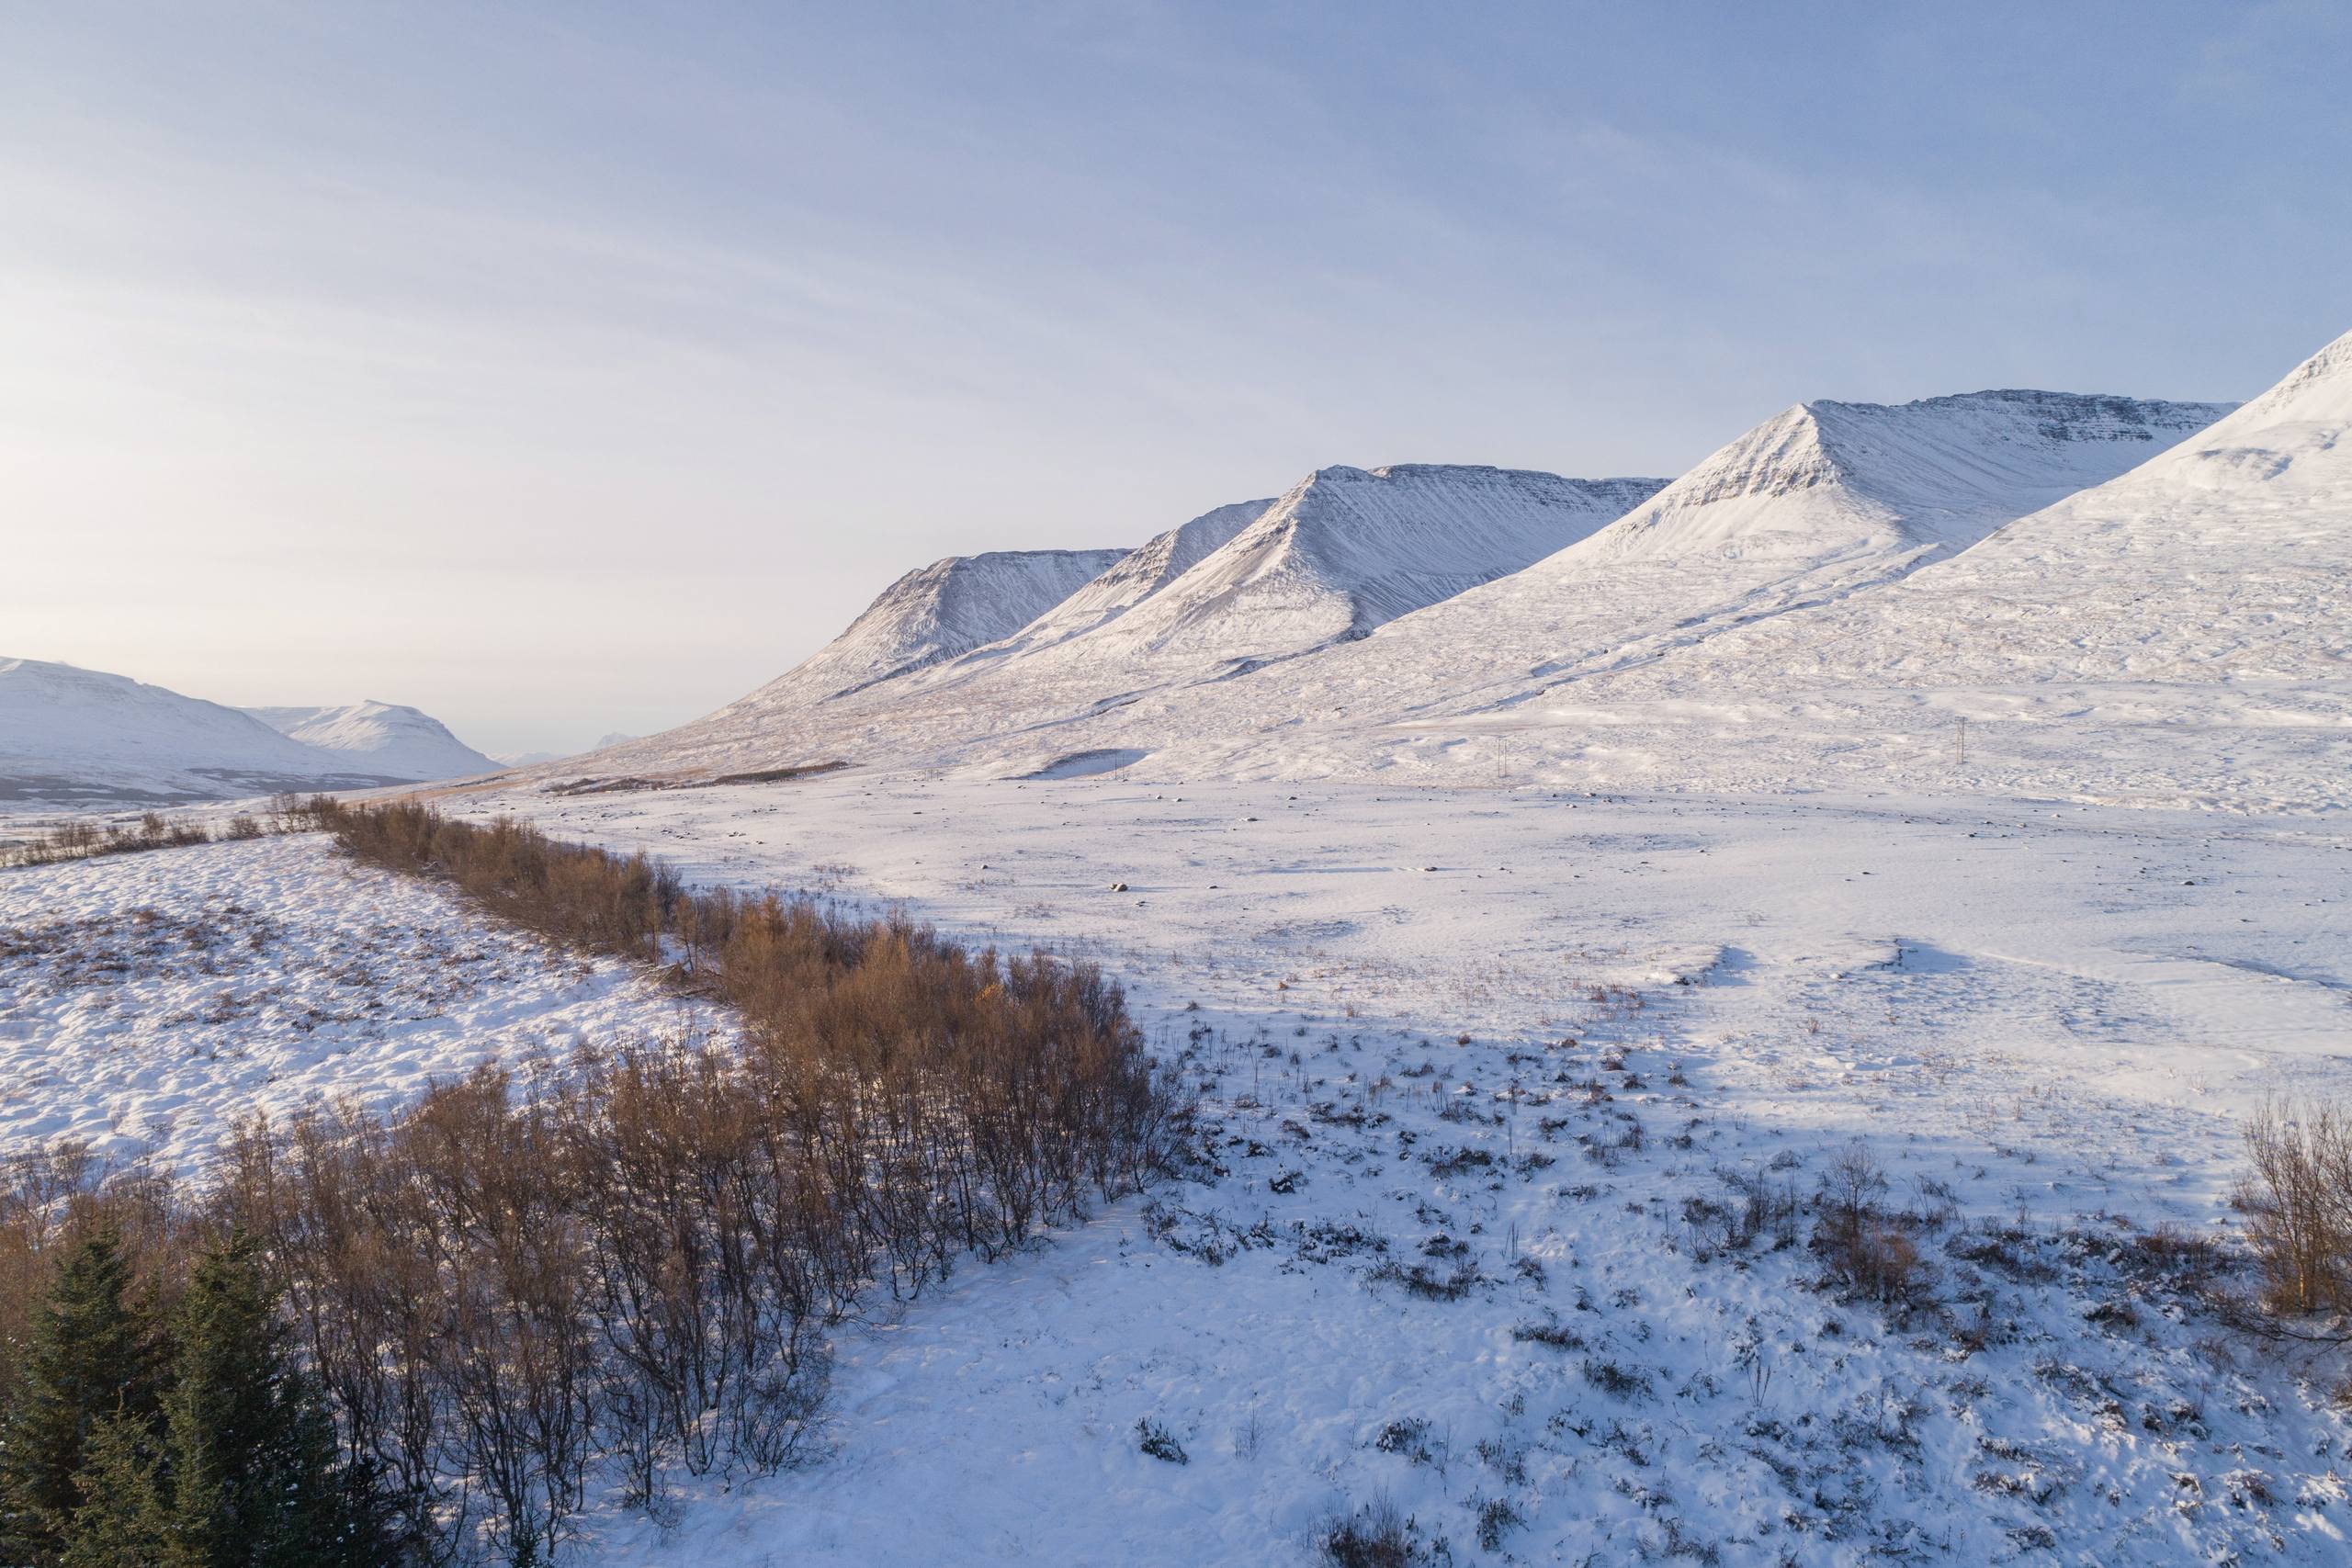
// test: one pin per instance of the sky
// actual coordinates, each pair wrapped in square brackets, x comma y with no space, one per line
[574,368]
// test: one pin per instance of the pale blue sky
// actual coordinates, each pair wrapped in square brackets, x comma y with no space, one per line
[577,367]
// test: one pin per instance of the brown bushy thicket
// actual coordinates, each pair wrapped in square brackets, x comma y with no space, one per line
[625,1270]
[2298,1204]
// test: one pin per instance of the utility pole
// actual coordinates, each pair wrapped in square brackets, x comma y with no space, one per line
[1963,743]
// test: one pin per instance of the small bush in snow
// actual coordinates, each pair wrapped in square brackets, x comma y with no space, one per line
[2298,1204]
[1374,1536]
[1160,1442]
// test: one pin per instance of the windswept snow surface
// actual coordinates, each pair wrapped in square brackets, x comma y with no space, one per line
[73,735]
[2044,1016]
[388,738]
[148,1001]
[1481,1074]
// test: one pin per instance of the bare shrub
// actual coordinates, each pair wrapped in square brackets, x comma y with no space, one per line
[1867,1250]
[2298,1204]
[1375,1536]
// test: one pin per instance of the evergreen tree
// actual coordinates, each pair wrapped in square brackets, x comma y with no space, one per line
[122,1519]
[86,1365]
[249,1449]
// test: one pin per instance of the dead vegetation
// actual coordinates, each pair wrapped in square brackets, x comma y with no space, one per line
[628,1266]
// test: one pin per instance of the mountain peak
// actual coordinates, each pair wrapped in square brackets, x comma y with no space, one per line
[1824,478]
[931,615]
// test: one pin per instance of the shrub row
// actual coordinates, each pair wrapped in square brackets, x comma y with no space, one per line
[509,1294]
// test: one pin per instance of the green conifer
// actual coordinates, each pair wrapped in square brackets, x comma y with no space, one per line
[86,1365]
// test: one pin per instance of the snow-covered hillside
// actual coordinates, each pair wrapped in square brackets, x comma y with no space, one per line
[1346,549]
[934,614]
[2228,557]
[69,734]
[1824,502]
[2179,635]
[1136,577]
[1240,587]
[388,738]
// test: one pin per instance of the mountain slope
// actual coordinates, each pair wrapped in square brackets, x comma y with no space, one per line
[1134,578]
[1346,549]
[1826,477]
[2228,557]
[380,738]
[1823,502]
[934,614]
[69,734]
[1343,551]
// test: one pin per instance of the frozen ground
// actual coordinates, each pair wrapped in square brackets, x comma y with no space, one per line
[2035,1015]
[1444,1256]
[147,999]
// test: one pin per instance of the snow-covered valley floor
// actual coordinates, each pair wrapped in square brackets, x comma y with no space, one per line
[148,999]
[1450,1260]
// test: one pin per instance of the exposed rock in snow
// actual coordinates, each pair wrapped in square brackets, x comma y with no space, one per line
[388,738]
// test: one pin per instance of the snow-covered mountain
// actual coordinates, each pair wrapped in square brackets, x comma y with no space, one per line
[380,738]
[69,734]
[1824,501]
[1347,550]
[930,614]
[1134,578]
[2226,559]
[1824,478]
[1343,551]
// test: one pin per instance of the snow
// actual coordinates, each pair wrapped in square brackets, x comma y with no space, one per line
[1243,586]
[945,609]
[148,1001]
[1133,579]
[386,738]
[1436,888]
[70,734]
[2056,1013]
[2051,1013]
[1346,549]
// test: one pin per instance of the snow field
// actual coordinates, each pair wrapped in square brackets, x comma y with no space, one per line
[148,999]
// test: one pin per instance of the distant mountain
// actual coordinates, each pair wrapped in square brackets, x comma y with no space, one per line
[1824,501]
[71,735]
[385,739]
[1341,552]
